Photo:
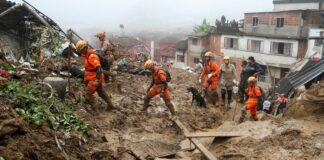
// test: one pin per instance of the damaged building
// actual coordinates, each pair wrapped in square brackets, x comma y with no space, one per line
[26,33]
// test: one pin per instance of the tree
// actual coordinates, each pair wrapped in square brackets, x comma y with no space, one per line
[205,27]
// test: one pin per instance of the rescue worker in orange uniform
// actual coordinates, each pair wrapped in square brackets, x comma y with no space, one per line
[93,75]
[210,73]
[158,85]
[105,50]
[253,92]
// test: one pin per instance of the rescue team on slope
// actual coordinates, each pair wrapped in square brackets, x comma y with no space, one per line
[210,75]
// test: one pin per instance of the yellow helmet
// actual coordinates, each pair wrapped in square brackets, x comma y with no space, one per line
[80,45]
[208,54]
[252,79]
[226,58]
[100,34]
[148,64]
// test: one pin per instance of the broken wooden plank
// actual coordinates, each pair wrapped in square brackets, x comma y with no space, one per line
[213,134]
[195,141]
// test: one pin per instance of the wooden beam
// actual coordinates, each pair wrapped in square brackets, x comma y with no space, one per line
[195,141]
[213,134]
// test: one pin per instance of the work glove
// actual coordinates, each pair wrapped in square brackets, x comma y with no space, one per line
[199,80]
[235,82]
[99,71]
[96,83]
[209,75]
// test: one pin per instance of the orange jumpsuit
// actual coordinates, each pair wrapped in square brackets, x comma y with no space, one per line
[253,92]
[91,61]
[159,78]
[210,67]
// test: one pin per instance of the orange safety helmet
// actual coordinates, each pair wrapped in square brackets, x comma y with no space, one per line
[252,79]
[100,34]
[148,64]
[80,45]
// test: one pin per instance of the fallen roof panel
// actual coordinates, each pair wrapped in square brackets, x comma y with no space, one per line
[311,70]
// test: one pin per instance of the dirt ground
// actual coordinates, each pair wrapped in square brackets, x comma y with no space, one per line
[299,134]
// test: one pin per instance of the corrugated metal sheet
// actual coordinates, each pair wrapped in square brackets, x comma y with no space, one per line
[310,71]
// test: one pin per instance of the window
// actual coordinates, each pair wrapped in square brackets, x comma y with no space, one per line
[319,42]
[180,58]
[254,45]
[164,59]
[255,21]
[196,60]
[194,41]
[231,43]
[281,48]
[280,22]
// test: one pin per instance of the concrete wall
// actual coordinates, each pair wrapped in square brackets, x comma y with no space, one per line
[265,56]
[312,49]
[295,6]
[178,64]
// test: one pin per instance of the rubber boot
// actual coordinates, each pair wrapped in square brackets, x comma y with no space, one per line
[92,101]
[223,91]
[146,103]
[215,98]
[255,117]
[229,98]
[243,114]
[107,99]
[171,107]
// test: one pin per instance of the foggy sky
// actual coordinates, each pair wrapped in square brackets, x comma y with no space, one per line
[144,14]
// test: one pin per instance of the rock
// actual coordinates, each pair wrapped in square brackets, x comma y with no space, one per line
[59,84]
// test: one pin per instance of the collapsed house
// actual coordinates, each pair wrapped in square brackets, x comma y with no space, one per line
[28,34]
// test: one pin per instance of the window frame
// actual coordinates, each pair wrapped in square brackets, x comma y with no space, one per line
[194,41]
[250,48]
[181,60]
[275,51]
[196,60]
[255,21]
[229,43]
[280,22]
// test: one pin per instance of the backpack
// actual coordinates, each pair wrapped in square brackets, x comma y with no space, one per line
[103,62]
[167,73]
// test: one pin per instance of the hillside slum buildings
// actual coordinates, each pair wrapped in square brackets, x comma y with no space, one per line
[290,36]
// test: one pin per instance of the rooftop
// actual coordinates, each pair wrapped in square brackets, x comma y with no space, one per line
[295,1]
[300,10]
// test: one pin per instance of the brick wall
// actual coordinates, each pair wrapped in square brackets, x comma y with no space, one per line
[263,18]
[191,60]
[302,48]
[215,43]
[312,18]
[291,18]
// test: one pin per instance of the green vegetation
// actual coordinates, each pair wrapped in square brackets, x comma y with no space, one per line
[35,107]
[8,68]
[205,27]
